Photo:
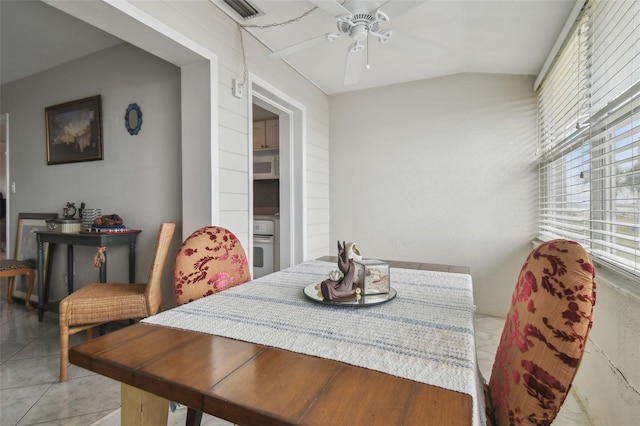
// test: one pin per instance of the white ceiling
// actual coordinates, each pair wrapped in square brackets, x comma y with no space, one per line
[501,36]
[35,36]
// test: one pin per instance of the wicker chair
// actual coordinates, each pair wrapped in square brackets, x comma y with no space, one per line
[209,261]
[99,303]
[544,336]
[11,268]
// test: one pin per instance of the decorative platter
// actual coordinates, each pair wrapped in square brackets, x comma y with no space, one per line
[312,292]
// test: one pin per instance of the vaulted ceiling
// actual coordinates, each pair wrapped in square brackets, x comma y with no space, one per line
[430,38]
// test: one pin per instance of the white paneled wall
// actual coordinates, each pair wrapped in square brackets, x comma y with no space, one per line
[205,24]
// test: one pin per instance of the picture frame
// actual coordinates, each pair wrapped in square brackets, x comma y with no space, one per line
[74,131]
[26,249]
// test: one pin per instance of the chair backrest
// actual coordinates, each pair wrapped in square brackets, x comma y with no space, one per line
[544,335]
[208,261]
[153,290]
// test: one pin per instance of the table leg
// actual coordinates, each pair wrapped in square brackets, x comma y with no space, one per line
[103,269]
[132,261]
[44,276]
[51,249]
[40,260]
[69,268]
[142,408]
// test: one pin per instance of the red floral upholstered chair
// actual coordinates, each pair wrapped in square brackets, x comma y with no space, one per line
[208,261]
[543,337]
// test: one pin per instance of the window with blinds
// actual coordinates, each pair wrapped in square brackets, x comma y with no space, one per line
[589,136]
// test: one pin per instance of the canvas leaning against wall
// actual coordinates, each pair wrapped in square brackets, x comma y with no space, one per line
[74,131]
[26,249]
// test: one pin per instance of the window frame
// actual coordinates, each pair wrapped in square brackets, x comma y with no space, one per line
[577,143]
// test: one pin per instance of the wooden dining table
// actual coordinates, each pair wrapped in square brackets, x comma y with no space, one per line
[250,383]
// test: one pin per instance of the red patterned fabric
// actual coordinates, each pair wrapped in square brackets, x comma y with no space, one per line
[543,337]
[208,261]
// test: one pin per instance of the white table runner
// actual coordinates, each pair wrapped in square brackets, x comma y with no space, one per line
[425,334]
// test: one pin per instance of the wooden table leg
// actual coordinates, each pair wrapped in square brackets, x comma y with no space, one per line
[141,408]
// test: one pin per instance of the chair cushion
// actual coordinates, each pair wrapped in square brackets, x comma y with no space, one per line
[544,335]
[100,302]
[208,261]
[10,264]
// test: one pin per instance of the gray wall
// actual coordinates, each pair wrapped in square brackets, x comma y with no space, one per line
[139,177]
[439,171]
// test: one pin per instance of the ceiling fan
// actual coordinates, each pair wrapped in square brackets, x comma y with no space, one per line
[357,20]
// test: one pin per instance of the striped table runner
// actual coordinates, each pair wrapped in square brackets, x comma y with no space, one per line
[425,334]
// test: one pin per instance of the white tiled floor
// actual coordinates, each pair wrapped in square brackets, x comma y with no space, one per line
[30,393]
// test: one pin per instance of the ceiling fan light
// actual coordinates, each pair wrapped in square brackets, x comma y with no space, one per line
[384,36]
[381,16]
[359,32]
[344,19]
[356,47]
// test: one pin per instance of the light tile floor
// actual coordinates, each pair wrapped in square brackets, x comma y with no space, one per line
[31,394]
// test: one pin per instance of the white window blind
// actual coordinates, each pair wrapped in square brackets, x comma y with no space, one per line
[589,136]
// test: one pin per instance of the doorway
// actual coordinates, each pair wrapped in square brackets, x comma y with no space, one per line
[289,235]
[266,190]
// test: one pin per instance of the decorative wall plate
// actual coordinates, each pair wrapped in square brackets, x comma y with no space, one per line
[133,119]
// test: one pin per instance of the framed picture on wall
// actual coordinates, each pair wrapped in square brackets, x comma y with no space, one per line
[74,131]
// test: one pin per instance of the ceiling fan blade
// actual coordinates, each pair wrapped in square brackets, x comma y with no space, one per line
[354,65]
[395,8]
[301,46]
[430,49]
[331,7]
